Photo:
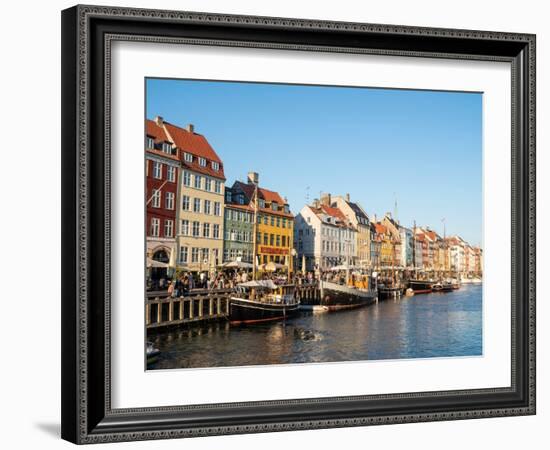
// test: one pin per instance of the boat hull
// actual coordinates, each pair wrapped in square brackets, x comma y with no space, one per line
[243,311]
[421,287]
[336,297]
[389,293]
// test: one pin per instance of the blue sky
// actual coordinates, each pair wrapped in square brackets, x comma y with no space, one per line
[422,148]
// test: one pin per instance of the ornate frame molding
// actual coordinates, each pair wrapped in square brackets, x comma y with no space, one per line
[87,422]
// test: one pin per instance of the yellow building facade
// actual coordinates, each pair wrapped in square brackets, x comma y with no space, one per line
[200,209]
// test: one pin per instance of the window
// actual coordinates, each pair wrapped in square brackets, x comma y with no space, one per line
[196,228]
[271,239]
[188,157]
[198,181]
[185,203]
[217,187]
[284,241]
[168,228]
[275,206]
[287,210]
[183,254]
[217,209]
[207,208]
[206,230]
[184,227]
[155,199]
[216,231]
[157,170]
[171,174]
[284,222]
[215,166]
[266,238]
[278,243]
[228,196]
[150,142]
[194,255]
[155,227]
[208,184]
[202,162]
[278,221]
[204,255]
[197,205]
[167,147]
[261,203]
[240,199]
[169,200]
[186,178]
[265,220]
[272,221]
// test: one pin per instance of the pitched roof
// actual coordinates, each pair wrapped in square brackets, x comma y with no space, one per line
[265,194]
[341,219]
[197,145]
[379,228]
[159,135]
[357,210]
[156,132]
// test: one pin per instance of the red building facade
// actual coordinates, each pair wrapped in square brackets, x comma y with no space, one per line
[162,172]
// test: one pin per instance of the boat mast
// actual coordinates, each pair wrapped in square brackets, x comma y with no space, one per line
[255,231]
[414,248]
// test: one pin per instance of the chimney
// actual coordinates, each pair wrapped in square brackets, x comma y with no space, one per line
[159,121]
[190,127]
[253,178]
[347,198]
[375,219]
[316,203]
[325,199]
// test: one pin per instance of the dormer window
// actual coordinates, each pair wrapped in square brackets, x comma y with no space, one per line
[167,147]
[287,210]
[188,157]
[150,142]
[261,203]
[274,206]
[202,162]
[215,166]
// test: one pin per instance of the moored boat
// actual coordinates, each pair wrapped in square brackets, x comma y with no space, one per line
[262,301]
[437,287]
[336,296]
[421,286]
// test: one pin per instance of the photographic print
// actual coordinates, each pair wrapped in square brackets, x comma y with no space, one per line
[292,224]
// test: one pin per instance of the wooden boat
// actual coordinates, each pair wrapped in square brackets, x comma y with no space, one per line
[437,287]
[262,301]
[421,286]
[336,296]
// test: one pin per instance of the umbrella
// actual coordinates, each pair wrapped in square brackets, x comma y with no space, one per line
[343,267]
[259,283]
[237,265]
[273,266]
[153,263]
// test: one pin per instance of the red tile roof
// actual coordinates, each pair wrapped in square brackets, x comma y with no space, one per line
[156,132]
[380,229]
[335,213]
[188,142]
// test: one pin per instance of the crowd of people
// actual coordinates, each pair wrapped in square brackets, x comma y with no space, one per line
[185,282]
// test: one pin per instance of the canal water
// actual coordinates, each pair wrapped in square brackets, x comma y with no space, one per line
[422,326]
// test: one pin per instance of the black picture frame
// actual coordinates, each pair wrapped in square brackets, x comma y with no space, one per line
[87,415]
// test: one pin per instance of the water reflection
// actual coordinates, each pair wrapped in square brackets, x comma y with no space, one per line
[429,325]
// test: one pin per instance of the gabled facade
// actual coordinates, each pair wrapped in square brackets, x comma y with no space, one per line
[324,237]
[360,220]
[162,175]
[275,222]
[200,213]
[238,241]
